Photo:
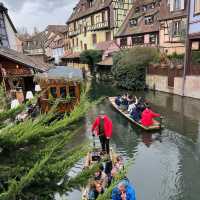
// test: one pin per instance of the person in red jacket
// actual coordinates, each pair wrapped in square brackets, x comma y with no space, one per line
[102,126]
[147,117]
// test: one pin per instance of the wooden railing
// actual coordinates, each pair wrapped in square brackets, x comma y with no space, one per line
[176,71]
[98,26]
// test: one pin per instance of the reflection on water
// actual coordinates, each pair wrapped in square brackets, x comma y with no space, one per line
[166,164]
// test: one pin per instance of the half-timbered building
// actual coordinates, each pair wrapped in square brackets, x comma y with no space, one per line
[95,21]
[173,19]
[141,26]
[8,32]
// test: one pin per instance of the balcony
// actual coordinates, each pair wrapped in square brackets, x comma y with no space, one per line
[34,51]
[98,26]
[74,33]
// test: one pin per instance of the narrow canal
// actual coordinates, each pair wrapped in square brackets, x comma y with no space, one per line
[166,164]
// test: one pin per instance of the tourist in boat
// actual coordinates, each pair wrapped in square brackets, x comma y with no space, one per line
[102,126]
[118,100]
[101,177]
[118,165]
[95,190]
[125,102]
[132,105]
[108,170]
[147,117]
[123,191]
[136,114]
[141,104]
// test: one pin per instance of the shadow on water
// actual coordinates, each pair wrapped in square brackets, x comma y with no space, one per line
[166,165]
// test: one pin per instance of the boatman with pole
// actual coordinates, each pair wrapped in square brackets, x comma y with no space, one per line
[102,127]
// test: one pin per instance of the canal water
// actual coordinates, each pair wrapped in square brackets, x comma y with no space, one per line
[166,164]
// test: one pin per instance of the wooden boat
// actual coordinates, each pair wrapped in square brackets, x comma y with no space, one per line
[89,163]
[155,126]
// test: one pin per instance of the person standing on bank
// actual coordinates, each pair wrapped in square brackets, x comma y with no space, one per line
[102,126]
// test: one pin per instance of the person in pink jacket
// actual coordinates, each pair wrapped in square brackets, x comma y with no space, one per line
[102,127]
[147,117]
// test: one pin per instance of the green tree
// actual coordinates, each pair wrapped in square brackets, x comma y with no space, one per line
[91,57]
[129,67]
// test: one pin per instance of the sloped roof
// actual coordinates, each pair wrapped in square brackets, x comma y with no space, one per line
[5,11]
[22,59]
[82,9]
[56,28]
[165,13]
[105,45]
[126,29]
[108,61]
[71,55]
[62,73]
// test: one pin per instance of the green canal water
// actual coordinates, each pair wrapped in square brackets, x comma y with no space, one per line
[166,165]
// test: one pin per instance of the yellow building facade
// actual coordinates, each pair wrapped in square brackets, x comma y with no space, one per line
[95,21]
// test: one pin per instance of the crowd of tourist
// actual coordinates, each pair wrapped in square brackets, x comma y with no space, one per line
[103,178]
[138,109]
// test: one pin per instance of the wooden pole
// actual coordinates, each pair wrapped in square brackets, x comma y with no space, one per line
[187,50]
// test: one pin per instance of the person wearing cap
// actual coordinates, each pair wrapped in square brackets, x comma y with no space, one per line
[123,191]
[102,127]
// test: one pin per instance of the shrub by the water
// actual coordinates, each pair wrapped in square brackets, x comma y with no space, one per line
[129,67]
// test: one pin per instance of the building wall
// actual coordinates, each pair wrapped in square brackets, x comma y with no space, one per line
[58,53]
[146,41]
[160,83]
[11,34]
[168,43]
[113,18]
[194,20]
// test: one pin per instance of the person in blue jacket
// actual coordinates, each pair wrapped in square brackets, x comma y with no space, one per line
[123,191]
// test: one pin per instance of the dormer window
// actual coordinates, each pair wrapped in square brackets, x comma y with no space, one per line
[148,20]
[133,22]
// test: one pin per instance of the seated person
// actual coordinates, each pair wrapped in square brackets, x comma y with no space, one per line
[108,170]
[147,117]
[101,177]
[130,99]
[123,191]
[118,165]
[118,100]
[132,105]
[95,190]
[136,114]
[124,103]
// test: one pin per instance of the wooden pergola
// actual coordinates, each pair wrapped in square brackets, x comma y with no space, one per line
[60,84]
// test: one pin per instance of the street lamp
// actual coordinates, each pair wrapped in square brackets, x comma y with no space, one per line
[37,88]
[29,95]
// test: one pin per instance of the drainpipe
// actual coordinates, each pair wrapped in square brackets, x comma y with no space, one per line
[186,58]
